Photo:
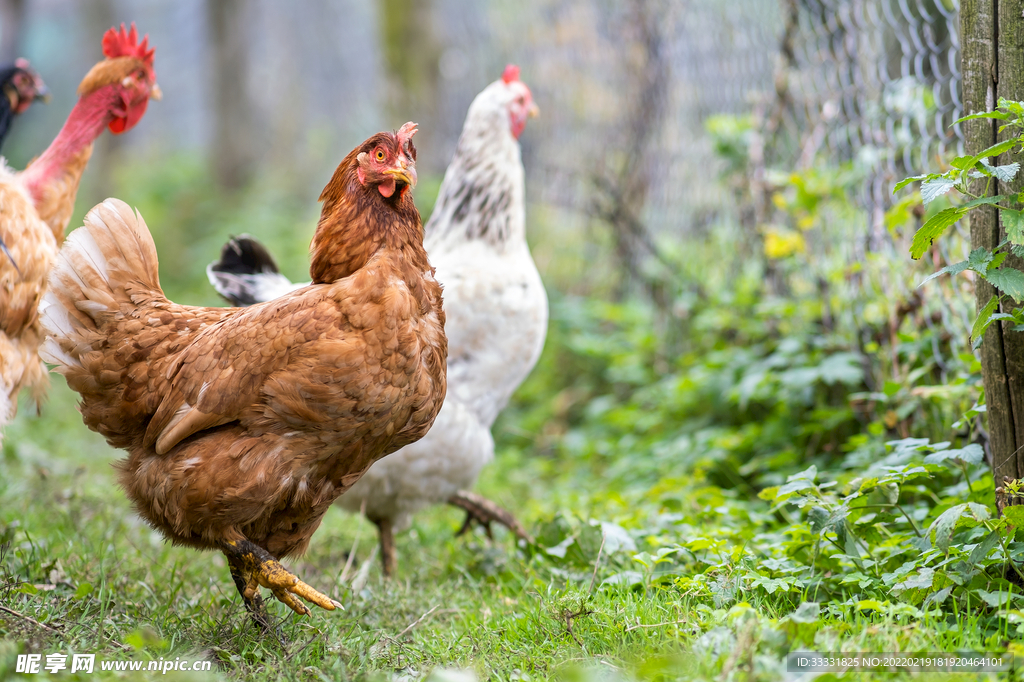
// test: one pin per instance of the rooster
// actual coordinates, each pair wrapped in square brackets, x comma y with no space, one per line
[21,86]
[37,204]
[497,318]
[243,425]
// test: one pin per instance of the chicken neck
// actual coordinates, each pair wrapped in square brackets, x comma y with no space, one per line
[52,179]
[356,222]
[480,201]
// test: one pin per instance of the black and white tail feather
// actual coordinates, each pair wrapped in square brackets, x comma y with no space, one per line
[246,273]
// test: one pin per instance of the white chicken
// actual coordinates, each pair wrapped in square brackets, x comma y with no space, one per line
[496,308]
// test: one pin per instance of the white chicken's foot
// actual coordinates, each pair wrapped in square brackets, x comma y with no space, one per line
[481,510]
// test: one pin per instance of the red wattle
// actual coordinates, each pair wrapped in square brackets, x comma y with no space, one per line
[135,113]
[387,187]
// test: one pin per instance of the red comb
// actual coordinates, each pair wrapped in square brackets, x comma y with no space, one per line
[511,73]
[126,44]
[406,132]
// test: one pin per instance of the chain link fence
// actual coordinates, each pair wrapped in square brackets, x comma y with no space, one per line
[874,81]
[870,83]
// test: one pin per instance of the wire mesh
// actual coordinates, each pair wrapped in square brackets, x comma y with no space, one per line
[873,83]
[877,81]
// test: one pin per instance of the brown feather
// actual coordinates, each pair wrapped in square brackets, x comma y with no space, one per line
[108,72]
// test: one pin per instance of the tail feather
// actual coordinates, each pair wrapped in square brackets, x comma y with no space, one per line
[99,267]
[246,273]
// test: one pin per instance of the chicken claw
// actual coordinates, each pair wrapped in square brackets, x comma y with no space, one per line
[483,511]
[264,570]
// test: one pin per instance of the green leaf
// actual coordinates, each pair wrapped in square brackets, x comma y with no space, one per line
[771,585]
[808,474]
[983,320]
[793,487]
[84,590]
[868,484]
[1014,514]
[964,162]
[998,148]
[1013,222]
[946,523]
[997,599]
[937,597]
[817,517]
[980,260]
[807,612]
[954,269]
[982,201]
[980,552]
[922,580]
[1005,173]
[906,181]
[1008,281]
[1001,115]
[972,454]
[1011,105]
[842,368]
[933,229]
[933,189]
[870,605]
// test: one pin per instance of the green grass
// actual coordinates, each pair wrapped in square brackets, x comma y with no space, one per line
[107,584]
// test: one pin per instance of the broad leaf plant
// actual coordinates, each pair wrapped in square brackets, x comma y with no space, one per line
[987,264]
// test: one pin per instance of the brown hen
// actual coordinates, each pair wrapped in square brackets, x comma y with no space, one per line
[243,425]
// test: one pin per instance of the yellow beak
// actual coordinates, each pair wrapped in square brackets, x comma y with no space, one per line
[533,111]
[156,93]
[405,174]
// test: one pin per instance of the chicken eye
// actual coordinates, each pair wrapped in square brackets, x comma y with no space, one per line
[380,155]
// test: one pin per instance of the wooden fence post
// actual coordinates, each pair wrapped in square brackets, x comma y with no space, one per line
[991,35]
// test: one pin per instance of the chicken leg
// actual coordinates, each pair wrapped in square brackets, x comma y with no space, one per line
[481,510]
[388,555]
[254,566]
[253,604]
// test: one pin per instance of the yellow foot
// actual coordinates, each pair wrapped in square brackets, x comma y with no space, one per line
[255,566]
[287,587]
